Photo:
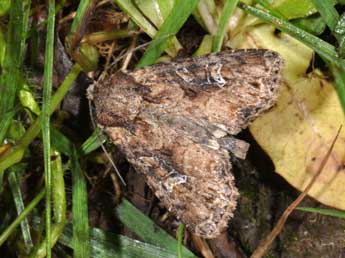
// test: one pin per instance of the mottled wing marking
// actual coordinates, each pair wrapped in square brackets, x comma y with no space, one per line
[174,122]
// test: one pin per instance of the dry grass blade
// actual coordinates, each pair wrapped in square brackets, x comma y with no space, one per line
[266,243]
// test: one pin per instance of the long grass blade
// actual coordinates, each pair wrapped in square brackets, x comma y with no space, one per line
[328,12]
[339,76]
[328,212]
[59,207]
[109,245]
[227,11]
[18,200]
[324,49]
[47,88]
[93,142]
[81,231]
[180,232]
[10,229]
[147,230]
[178,16]
[10,81]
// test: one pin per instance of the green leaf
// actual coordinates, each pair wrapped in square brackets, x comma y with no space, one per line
[144,23]
[28,101]
[328,13]
[146,229]
[60,142]
[2,48]
[205,47]
[227,11]
[93,142]
[128,7]
[81,231]
[109,245]
[178,16]
[4,7]
[166,6]
[152,11]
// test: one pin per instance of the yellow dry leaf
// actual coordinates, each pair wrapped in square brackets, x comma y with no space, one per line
[298,131]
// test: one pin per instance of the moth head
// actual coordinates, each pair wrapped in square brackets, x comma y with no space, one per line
[117,104]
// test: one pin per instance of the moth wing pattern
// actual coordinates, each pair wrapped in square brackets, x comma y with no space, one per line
[173,121]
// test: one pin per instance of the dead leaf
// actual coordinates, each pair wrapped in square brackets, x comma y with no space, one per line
[298,130]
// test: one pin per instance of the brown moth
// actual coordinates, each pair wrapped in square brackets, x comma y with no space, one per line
[175,123]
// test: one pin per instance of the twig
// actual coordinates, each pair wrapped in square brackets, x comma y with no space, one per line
[263,247]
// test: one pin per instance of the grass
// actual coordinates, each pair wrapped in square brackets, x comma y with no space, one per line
[45,121]
[161,24]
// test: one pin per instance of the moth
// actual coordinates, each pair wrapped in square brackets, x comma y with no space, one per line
[176,122]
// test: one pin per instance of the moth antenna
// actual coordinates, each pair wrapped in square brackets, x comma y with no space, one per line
[129,52]
[103,148]
[137,48]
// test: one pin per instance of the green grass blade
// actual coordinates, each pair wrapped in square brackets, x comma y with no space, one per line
[109,245]
[166,6]
[93,142]
[152,10]
[146,229]
[328,212]
[268,6]
[178,16]
[180,232]
[324,49]
[19,203]
[60,142]
[4,7]
[11,71]
[59,206]
[206,15]
[128,7]
[339,76]
[205,46]
[328,12]
[81,13]
[78,29]
[2,48]
[81,231]
[10,229]
[45,122]
[59,195]
[227,11]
